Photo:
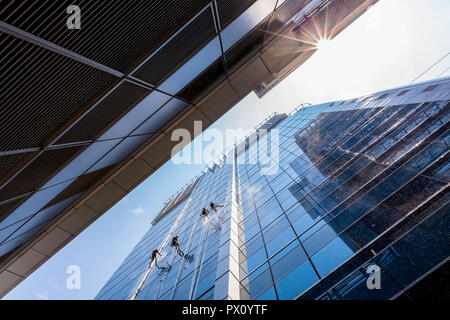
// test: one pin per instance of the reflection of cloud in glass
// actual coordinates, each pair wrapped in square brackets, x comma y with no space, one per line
[252,189]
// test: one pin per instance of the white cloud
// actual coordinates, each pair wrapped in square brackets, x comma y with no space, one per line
[42,296]
[138,211]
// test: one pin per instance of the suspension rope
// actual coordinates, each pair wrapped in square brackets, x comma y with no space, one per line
[434,64]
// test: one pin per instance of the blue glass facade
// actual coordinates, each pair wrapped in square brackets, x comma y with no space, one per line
[360,183]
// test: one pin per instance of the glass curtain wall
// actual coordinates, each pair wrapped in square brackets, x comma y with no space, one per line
[360,186]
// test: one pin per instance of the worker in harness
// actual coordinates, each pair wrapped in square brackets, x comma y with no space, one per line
[176,245]
[205,214]
[154,257]
[214,206]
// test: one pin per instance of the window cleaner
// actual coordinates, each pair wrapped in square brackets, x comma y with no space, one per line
[154,257]
[176,245]
[205,214]
[214,206]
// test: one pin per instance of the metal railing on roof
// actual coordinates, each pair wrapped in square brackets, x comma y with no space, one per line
[300,106]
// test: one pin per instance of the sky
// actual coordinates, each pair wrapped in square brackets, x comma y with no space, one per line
[389,46]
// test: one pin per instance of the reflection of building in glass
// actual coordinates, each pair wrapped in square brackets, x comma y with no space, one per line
[360,183]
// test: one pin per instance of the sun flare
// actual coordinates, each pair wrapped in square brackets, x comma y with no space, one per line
[322,44]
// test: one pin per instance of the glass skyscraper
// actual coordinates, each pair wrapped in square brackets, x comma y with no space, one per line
[360,191]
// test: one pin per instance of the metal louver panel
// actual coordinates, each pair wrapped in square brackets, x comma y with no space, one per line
[11,161]
[37,172]
[139,26]
[40,83]
[122,99]
[231,9]
[178,49]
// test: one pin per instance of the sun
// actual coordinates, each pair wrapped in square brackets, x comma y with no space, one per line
[322,44]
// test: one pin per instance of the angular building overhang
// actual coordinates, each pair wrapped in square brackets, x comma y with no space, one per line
[86,115]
